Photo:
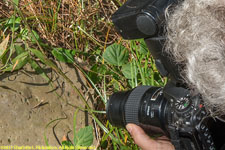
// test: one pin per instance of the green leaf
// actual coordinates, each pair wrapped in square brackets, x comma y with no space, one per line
[12,20]
[84,137]
[116,84]
[16,2]
[3,46]
[18,62]
[35,35]
[26,35]
[64,55]
[116,54]
[38,69]
[19,49]
[97,72]
[104,144]
[129,70]
[143,48]
[66,145]
[42,57]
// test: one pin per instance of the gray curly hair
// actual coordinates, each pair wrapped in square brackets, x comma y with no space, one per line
[196,39]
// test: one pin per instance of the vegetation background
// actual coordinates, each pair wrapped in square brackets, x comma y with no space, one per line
[79,33]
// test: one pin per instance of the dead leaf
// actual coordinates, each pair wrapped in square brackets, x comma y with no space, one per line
[15,65]
[3,46]
[64,138]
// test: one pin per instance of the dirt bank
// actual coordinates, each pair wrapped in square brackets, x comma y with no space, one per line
[28,104]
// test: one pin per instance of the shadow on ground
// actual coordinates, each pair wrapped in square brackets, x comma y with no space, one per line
[28,104]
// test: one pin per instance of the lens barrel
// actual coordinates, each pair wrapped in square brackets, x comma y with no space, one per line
[115,108]
[142,105]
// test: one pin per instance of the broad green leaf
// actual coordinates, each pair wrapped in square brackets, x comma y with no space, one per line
[42,57]
[18,62]
[12,20]
[38,69]
[84,137]
[116,54]
[129,70]
[64,55]
[19,49]
[115,84]
[143,48]
[36,36]
[4,59]
[3,46]
[16,2]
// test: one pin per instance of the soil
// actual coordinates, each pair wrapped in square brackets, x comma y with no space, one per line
[28,103]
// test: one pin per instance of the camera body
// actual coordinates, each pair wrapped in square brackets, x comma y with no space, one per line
[173,110]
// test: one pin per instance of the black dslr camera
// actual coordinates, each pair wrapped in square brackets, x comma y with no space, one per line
[173,110]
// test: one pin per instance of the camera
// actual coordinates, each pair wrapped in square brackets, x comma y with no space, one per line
[174,110]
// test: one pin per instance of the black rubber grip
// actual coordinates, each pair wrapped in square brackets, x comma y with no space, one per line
[132,104]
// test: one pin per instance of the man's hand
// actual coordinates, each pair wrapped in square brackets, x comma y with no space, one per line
[145,142]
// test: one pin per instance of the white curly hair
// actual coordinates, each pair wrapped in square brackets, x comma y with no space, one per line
[196,39]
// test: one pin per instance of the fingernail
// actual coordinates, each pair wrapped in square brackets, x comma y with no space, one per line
[129,128]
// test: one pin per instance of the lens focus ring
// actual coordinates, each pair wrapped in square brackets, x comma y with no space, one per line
[132,104]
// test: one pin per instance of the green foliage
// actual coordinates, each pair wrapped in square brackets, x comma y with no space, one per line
[64,55]
[18,62]
[67,145]
[16,2]
[116,54]
[13,23]
[43,57]
[97,72]
[84,137]
[129,70]
[137,67]
[19,49]
[143,48]
[38,69]
[26,35]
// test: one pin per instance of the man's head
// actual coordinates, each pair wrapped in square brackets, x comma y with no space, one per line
[196,39]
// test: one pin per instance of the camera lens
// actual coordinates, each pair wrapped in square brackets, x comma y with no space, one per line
[142,105]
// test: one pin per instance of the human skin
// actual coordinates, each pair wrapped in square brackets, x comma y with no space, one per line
[145,142]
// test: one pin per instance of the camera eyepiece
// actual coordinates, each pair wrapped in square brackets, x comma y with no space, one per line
[142,105]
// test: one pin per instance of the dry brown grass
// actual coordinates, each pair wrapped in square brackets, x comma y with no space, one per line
[59,23]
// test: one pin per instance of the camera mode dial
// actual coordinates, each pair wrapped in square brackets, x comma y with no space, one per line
[182,103]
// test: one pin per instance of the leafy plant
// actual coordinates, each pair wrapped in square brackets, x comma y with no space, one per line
[3,46]
[129,70]
[13,23]
[84,137]
[64,55]
[116,54]
[18,62]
